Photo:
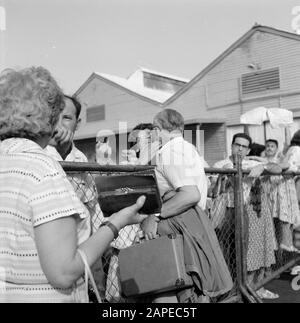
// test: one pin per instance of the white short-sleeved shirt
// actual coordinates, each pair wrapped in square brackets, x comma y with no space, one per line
[33,190]
[247,164]
[179,164]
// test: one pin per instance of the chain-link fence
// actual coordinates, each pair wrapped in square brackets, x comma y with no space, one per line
[220,209]
[246,216]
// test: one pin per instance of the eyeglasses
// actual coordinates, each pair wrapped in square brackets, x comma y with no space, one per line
[242,146]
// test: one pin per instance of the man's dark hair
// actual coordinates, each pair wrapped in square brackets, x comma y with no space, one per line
[242,135]
[143,126]
[76,103]
[296,139]
[272,140]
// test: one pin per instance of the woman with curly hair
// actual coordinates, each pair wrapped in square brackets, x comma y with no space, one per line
[44,228]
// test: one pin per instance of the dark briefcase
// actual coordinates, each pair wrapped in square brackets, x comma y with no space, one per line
[153,267]
[119,191]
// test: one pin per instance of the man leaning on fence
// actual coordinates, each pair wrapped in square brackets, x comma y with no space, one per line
[62,148]
[258,218]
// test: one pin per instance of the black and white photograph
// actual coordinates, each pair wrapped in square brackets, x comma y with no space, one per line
[149,154]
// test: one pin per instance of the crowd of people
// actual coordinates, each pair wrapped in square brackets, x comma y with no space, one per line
[52,227]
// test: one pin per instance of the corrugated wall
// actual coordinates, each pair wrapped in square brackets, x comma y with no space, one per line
[120,106]
[217,94]
[214,141]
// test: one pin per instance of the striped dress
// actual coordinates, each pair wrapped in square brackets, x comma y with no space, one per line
[33,191]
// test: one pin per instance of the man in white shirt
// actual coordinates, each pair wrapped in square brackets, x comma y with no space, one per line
[62,148]
[241,146]
[241,143]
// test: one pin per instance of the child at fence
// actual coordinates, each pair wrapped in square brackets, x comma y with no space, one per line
[144,145]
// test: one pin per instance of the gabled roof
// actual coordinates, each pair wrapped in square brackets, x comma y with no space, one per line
[228,51]
[134,85]
[112,80]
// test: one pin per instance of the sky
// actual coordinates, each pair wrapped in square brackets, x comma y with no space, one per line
[74,38]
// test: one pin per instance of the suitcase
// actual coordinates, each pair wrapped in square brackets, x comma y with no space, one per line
[153,267]
[119,191]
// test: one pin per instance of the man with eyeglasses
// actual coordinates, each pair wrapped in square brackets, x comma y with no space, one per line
[241,143]
[258,219]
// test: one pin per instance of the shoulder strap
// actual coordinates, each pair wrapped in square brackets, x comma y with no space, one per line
[88,274]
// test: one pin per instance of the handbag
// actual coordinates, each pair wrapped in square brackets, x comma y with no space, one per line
[119,191]
[88,275]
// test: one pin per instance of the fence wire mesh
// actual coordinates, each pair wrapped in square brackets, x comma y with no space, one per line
[268,238]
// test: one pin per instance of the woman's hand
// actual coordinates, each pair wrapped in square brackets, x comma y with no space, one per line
[129,215]
[129,155]
[62,140]
[256,171]
[149,226]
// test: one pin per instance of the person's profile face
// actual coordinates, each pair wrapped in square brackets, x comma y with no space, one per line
[67,120]
[240,147]
[161,134]
[68,116]
[143,138]
[271,149]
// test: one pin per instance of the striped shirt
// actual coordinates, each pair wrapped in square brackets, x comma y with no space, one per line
[33,190]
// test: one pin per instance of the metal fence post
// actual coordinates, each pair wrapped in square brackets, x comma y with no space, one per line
[240,234]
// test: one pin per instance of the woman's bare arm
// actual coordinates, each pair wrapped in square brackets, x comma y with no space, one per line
[57,245]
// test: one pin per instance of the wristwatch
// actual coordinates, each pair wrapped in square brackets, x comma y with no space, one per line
[158,216]
[112,227]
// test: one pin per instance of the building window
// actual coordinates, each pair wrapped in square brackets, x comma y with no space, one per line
[260,81]
[162,83]
[96,113]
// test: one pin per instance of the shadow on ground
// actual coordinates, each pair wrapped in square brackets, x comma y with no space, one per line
[283,287]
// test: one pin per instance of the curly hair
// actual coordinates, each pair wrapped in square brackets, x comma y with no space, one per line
[30,103]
